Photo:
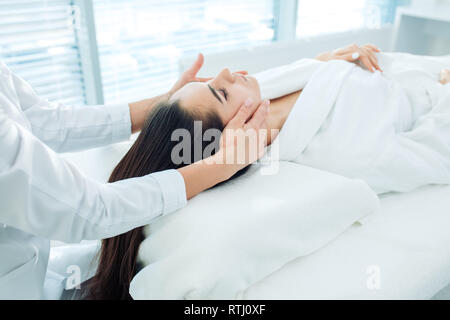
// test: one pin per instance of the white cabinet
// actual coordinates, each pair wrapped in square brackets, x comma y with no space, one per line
[423,30]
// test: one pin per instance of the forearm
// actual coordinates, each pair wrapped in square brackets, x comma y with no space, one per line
[72,128]
[48,191]
[205,174]
[140,109]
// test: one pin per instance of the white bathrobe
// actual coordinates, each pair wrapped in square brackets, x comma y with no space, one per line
[391,129]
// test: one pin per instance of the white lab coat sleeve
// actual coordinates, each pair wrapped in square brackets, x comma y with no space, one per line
[45,195]
[72,128]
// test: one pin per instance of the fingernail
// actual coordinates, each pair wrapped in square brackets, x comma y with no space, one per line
[248,102]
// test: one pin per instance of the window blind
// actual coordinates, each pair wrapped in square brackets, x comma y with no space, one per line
[141,41]
[316,17]
[38,42]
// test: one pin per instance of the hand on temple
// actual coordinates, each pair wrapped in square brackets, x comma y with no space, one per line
[139,110]
[244,138]
[190,75]
[238,149]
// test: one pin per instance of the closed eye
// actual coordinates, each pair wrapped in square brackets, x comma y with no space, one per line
[225,93]
[214,92]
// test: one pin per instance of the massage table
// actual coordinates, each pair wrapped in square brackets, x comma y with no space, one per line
[401,251]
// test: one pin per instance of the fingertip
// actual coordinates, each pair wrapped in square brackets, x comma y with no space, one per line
[248,102]
[198,63]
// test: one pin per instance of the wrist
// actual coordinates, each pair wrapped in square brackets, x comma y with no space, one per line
[205,174]
[326,56]
[169,93]
[225,167]
[139,110]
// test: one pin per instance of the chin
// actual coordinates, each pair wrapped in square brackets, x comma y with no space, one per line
[255,86]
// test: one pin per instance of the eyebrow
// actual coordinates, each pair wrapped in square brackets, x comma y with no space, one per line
[215,93]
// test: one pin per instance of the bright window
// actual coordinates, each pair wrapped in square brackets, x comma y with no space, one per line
[141,41]
[38,42]
[316,17]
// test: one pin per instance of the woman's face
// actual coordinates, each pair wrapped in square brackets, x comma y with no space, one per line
[224,94]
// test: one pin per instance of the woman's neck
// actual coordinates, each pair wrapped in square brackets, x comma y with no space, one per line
[279,111]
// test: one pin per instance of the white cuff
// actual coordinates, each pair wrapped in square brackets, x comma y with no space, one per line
[173,190]
[121,121]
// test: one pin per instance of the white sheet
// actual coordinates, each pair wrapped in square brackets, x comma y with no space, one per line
[234,235]
[408,239]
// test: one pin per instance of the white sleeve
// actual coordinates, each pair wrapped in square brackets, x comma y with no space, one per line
[45,195]
[280,81]
[72,128]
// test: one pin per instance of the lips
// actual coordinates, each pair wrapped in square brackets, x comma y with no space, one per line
[242,76]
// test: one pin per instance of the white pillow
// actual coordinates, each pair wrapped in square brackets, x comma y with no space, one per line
[231,236]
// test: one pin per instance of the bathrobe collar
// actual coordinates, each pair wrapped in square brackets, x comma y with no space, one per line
[310,111]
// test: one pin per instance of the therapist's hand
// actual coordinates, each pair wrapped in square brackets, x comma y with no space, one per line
[139,110]
[244,138]
[221,166]
[190,75]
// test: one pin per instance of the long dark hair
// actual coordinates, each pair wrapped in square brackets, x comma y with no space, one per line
[151,152]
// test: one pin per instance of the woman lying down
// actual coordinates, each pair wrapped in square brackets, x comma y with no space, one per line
[384,118]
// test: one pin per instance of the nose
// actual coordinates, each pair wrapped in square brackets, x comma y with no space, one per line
[226,75]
